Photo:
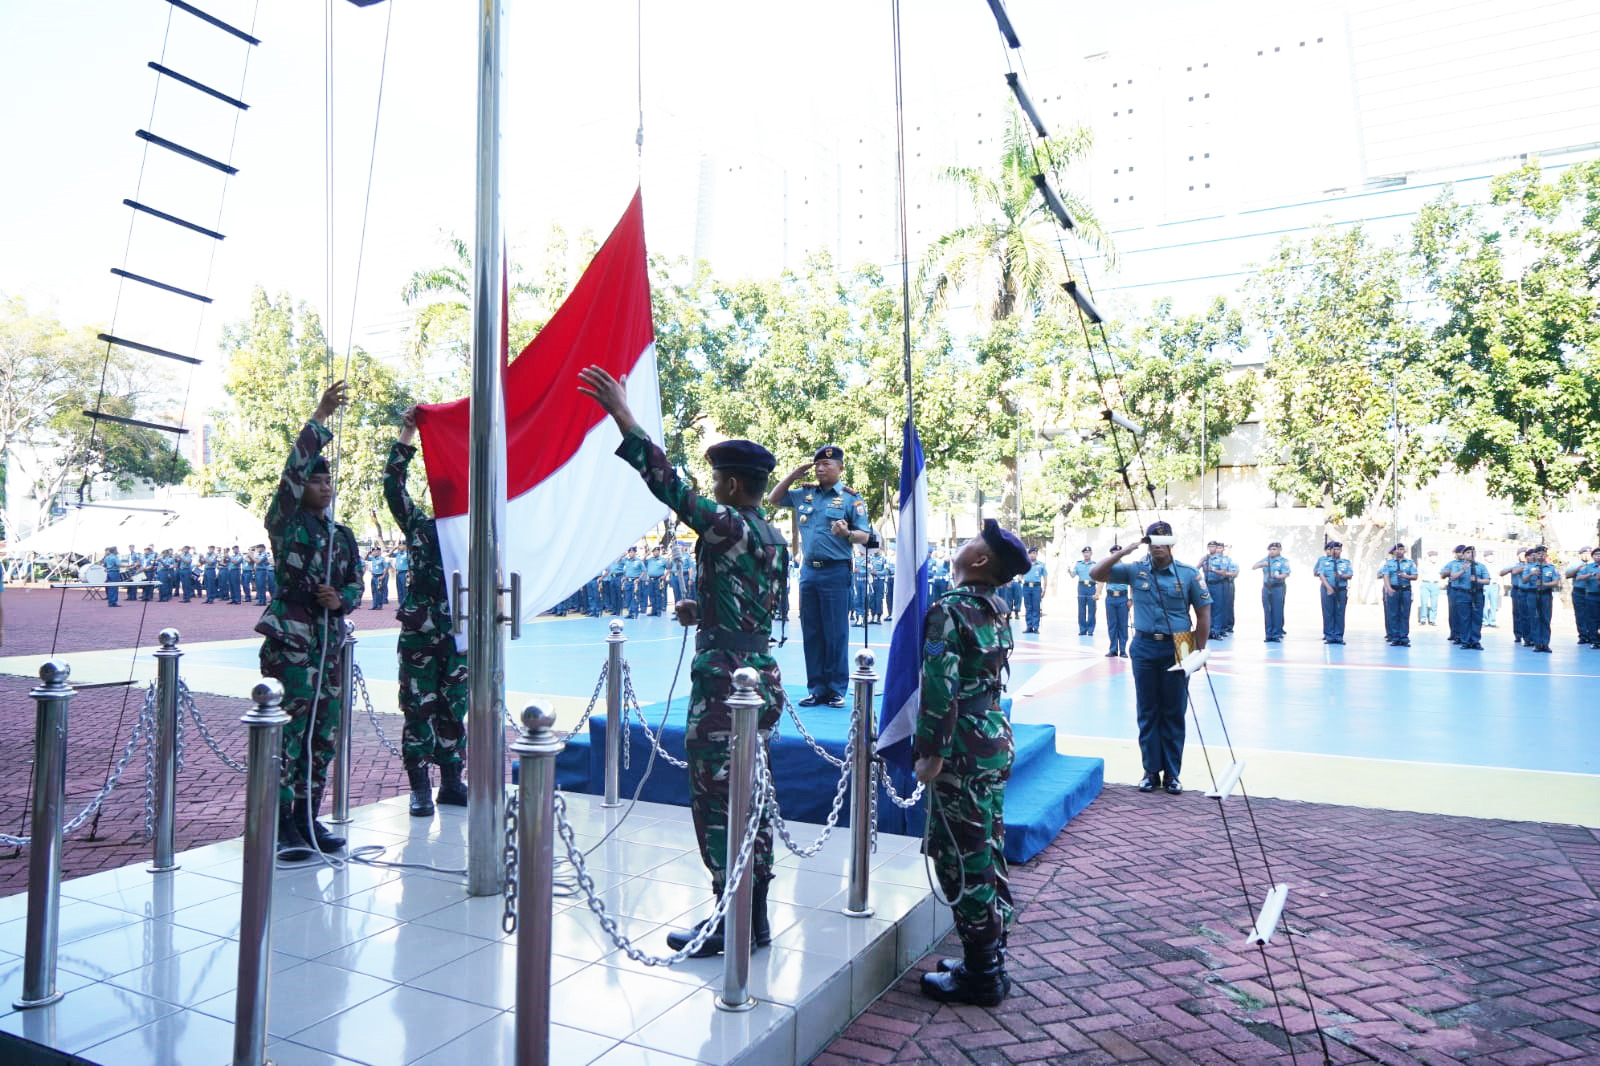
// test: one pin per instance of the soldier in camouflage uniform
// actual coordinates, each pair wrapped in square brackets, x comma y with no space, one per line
[963,749]
[741,565]
[304,627]
[433,672]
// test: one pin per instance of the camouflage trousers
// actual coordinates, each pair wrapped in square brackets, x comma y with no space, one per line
[433,698]
[970,851]
[706,738]
[297,671]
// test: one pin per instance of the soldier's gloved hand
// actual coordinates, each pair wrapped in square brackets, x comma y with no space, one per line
[1191,662]
[688,612]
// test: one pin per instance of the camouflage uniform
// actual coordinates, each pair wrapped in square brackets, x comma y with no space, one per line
[433,673]
[741,565]
[297,630]
[966,642]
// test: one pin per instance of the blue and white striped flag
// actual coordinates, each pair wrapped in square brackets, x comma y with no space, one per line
[902,683]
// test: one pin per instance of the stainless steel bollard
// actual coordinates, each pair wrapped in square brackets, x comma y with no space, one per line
[536,750]
[341,738]
[166,749]
[746,705]
[614,645]
[265,722]
[51,699]
[862,782]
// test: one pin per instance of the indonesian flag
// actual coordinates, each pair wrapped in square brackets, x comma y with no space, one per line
[571,505]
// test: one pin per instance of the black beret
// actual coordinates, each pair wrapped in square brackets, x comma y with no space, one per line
[742,455]
[829,451]
[1158,529]
[1538,548]
[319,465]
[1011,557]
[1460,548]
[1333,544]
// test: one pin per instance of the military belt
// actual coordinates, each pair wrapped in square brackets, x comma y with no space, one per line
[980,704]
[820,563]
[1146,634]
[1032,584]
[730,640]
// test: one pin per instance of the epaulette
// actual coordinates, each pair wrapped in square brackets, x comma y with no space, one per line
[851,491]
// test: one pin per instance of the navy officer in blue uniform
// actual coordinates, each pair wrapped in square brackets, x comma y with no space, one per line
[1398,574]
[1333,573]
[1164,590]
[833,519]
[1033,589]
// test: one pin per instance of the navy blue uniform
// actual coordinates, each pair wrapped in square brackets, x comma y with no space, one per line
[1398,576]
[1274,581]
[1033,595]
[825,582]
[1086,591]
[1335,574]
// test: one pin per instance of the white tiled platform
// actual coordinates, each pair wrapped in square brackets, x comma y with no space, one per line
[389,967]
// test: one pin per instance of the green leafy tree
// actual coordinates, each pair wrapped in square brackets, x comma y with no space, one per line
[1518,347]
[1349,379]
[277,366]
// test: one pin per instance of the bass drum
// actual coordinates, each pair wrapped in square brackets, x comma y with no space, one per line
[92,574]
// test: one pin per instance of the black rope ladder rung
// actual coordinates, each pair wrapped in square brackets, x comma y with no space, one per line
[124,342]
[174,219]
[137,423]
[213,20]
[153,283]
[184,79]
[187,153]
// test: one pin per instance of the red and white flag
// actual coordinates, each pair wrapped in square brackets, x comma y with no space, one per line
[571,505]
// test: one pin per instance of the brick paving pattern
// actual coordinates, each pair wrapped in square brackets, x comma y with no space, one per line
[1422,938]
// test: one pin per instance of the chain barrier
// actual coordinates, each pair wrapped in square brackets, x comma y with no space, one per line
[746,849]
[151,698]
[594,698]
[894,797]
[143,728]
[838,764]
[508,918]
[782,827]
[630,706]
[186,701]
[360,681]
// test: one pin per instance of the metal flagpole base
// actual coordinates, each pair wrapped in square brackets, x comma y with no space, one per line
[736,1008]
[28,1004]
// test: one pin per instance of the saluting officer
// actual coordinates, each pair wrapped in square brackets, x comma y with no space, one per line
[1333,573]
[743,574]
[964,753]
[1397,574]
[832,520]
[1163,592]
[1273,590]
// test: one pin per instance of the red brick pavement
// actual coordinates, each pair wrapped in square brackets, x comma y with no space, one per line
[1422,938]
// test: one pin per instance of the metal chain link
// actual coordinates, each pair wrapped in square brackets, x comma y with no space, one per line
[837,763]
[782,827]
[746,849]
[360,681]
[150,699]
[894,797]
[186,699]
[872,806]
[594,698]
[630,706]
[142,728]
[508,918]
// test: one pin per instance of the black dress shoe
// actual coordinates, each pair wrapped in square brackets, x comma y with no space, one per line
[1148,783]
[1174,787]
[835,701]
[1111,655]
[811,701]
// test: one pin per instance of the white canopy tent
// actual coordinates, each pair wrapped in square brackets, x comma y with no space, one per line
[195,521]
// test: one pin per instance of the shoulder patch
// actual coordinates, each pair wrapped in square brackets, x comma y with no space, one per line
[932,649]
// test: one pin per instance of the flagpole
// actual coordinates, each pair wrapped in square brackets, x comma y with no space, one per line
[486,486]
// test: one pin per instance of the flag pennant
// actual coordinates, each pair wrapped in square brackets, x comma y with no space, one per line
[571,506]
[902,682]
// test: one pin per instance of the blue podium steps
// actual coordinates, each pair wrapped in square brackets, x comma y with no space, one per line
[1046,790]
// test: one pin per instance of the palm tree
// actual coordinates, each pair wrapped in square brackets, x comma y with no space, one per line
[1011,258]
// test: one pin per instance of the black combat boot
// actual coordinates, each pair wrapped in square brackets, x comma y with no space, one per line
[421,790]
[952,965]
[305,820]
[760,927]
[292,846]
[452,790]
[980,979]
[679,939]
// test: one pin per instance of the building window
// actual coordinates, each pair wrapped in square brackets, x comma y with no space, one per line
[1191,159]
[1114,170]
[1116,199]
[1130,171]
[1207,155]
[1208,96]
[1191,99]
[1191,189]
[1130,199]
[1208,185]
